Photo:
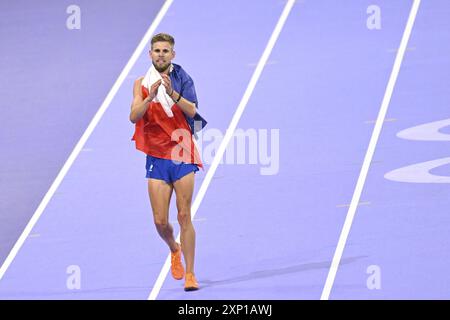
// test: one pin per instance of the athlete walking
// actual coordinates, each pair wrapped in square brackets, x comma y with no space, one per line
[163,110]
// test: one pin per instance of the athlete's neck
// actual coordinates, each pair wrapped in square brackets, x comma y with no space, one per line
[167,71]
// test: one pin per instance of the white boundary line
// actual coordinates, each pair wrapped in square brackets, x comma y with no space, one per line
[369,154]
[231,128]
[79,146]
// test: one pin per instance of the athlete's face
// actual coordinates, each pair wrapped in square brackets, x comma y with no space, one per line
[162,54]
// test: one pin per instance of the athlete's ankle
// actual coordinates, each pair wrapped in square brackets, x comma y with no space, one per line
[175,248]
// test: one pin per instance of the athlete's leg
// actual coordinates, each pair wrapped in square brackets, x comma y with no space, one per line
[184,189]
[160,193]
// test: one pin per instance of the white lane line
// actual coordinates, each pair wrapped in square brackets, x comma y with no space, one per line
[385,120]
[79,146]
[230,131]
[369,154]
[362,203]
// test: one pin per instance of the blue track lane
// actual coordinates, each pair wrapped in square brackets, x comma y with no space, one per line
[258,236]
[52,82]
[404,231]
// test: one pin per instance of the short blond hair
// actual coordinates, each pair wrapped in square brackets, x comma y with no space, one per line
[162,37]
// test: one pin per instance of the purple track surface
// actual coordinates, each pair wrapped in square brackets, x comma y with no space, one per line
[258,236]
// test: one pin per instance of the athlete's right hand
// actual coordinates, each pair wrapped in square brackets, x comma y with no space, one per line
[154,90]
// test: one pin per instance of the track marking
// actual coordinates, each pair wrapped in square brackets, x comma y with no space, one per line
[369,154]
[87,133]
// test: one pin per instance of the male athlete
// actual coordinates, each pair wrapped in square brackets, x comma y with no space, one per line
[163,109]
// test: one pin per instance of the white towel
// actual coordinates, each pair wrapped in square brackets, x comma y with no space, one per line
[162,97]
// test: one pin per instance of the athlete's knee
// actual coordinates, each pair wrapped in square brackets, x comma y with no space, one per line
[184,217]
[160,222]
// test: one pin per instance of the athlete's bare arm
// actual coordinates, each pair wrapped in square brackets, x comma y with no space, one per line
[140,105]
[185,105]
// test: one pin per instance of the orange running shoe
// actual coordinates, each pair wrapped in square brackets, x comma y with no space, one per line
[176,266]
[190,283]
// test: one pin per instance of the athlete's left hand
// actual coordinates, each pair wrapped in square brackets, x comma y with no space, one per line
[167,83]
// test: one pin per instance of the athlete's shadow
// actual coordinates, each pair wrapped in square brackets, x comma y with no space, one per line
[276,272]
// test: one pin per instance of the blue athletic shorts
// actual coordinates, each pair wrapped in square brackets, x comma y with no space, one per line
[167,170]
